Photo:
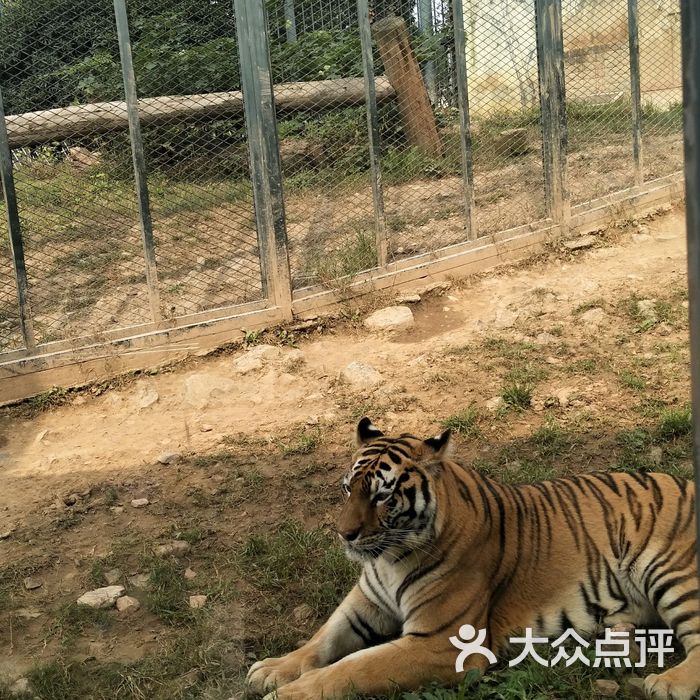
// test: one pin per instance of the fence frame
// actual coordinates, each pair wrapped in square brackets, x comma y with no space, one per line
[690,37]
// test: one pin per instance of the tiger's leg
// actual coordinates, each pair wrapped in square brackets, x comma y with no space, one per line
[357,623]
[408,663]
[677,601]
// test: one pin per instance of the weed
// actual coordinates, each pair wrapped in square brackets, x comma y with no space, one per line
[674,423]
[517,395]
[251,338]
[72,620]
[583,366]
[551,441]
[166,596]
[465,422]
[588,305]
[632,381]
[303,443]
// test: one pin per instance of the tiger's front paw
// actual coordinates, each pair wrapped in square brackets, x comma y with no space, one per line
[312,685]
[672,685]
[271,673]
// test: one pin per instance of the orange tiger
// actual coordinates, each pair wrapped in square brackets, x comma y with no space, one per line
[443,546]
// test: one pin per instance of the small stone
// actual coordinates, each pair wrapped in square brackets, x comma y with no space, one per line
[641,228]
[361,375]
[564,395]
[71,499]
[32,584]
[197,601]
[20,686]
[206,428]
[605,688]
[176,547]
[189,574]
[139,502]
[139,581]
[293,359]
[580,243]
[505,318]
[656,455]
[593,317]
[495,403]
[145,396]
[438,287]
[247,364]
[112,576]
[101,597]
[5,535]
[117,509]
[126,604]
[169,457]
[303,614]
[545,339]
[28,613]
[392,318]
[408,299]
[647,307]
[635,687]
[664,329]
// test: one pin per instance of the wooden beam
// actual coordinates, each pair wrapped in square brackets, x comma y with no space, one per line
[403,72]
[34,128]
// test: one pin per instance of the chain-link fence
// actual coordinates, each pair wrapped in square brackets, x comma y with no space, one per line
[149,181]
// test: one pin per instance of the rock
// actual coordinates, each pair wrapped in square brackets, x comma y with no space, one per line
[564,395]
[247,364]
[545,339]
[606,689]
[5,535]
[505,318]
[139,502]
[101,597]
[189,574]
[139,581]
[145,396]
[112,576]
[647,308]
[656,455]
[202,388]
[641,228]
[593,317]
[176,548]
[361,375]
[28,613]
[20,686]
[31,584]
[495,403]
[126,604]
[392,318]
[293,359]
[664,329]
[197,601]
[303,614]
[117,509]
[79,155]
[512,142]
[437,287]
[71,499]
[635,687]
[169,457]
[408,299]
[206,428]
[580,243]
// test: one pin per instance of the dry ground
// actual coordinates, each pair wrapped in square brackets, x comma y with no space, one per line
[588,377]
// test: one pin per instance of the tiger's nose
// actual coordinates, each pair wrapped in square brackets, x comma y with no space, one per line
[350,535]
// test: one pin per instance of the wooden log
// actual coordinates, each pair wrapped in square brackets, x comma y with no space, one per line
[403,72]
[34,128]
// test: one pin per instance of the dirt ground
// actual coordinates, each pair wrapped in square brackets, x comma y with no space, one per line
[592,342]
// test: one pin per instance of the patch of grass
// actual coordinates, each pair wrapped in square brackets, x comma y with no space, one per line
[510,349]
[634,448]
[73,620]
[674,423]
[632,381]
[356,254]
[550,440]
[212,459]
[293,565]
[167,595]
[517,395]
[588,305]
[303,443]
[585,365]
[465,422]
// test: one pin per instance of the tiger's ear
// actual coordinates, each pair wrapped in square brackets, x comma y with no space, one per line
[439,446]
[366,432]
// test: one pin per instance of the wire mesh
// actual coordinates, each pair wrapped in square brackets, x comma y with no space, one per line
[661,86]
[78,216]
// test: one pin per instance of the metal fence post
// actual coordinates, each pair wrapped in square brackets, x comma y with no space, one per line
[635,90]
[465,133]
[690,37]
[15,234]
[263,144]
[550,63]
[139,160]
[373,131]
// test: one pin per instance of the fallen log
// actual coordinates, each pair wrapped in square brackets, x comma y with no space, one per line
[34,128]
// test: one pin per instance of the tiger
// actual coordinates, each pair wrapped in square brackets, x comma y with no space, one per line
[443,546]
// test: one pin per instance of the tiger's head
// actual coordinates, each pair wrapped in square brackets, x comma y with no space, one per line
[390,504]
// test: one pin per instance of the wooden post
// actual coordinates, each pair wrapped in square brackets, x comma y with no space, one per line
[403,72]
